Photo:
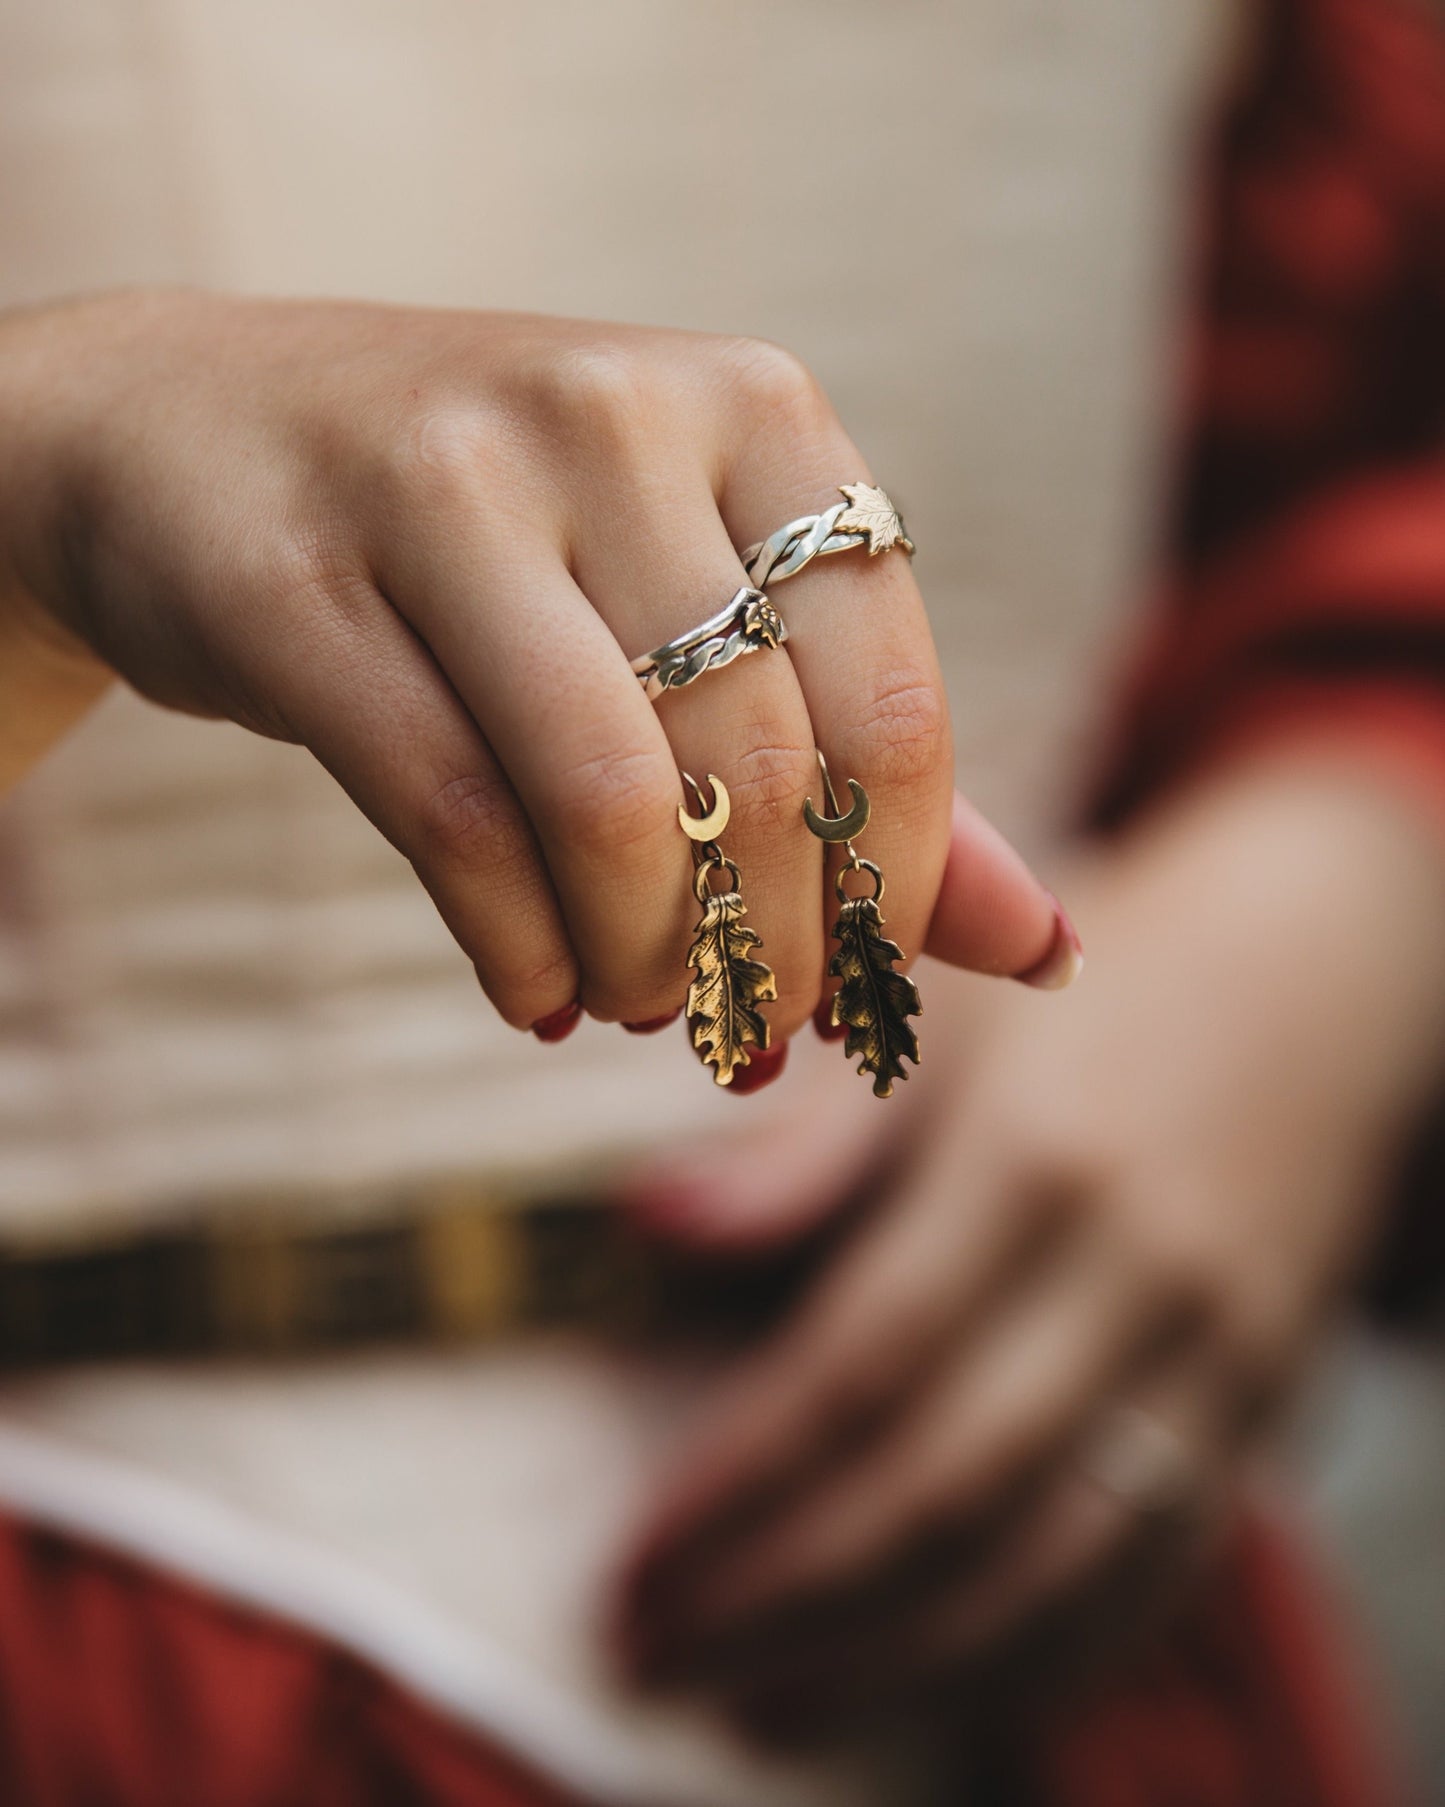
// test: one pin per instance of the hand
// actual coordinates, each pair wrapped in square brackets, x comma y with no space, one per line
[1122,1213]
[425,545]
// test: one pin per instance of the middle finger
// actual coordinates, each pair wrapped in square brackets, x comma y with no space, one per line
[655,560]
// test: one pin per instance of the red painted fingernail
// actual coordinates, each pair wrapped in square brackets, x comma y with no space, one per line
[1065,959]
[824,1024]
[654,1024]
[558,1026]
[762,1069]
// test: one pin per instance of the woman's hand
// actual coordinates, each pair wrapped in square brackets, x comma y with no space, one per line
[426,546]
[1019,1395]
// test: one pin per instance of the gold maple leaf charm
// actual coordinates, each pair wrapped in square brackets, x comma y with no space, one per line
[870,512]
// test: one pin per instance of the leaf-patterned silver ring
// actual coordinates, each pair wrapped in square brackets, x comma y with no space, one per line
[747,625]
[865,516]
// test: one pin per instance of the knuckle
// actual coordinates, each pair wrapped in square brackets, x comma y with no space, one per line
[602,391]
[614,803]
[443,451]
[768,786]
[467,822]
[903,736]
[773,380]
[545,983]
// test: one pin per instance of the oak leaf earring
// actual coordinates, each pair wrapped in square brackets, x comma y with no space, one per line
[724,1017]
[873,1001]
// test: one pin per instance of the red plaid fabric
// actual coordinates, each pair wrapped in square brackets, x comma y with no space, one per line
[1307,554]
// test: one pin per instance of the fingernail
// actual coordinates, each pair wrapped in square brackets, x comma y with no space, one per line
[762,1069]
[558,1026]
[824,1024]
[654,1024]
[1065,959]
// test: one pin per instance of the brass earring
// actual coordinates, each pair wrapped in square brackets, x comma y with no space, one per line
[873,1001]
[724,1017]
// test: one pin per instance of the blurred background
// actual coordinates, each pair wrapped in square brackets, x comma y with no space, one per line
[973,222]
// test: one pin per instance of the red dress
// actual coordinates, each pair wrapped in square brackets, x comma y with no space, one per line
[1306,585]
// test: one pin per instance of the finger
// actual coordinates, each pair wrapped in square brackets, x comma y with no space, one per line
[746,721]
[882,1315]
[1078,1573]
[568,722]
[934,1634]
[859,639]
[989,1422]
[993,915]
[760,1195]
[369,701]
[1074,1549]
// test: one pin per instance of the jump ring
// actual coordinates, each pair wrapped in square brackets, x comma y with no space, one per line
[706,867]
[858,865]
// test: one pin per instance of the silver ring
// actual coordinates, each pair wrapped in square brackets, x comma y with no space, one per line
[1139,1461]
[746,625]
[865,516]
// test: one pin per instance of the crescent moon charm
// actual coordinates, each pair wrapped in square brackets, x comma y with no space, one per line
[709,826]
[839,829]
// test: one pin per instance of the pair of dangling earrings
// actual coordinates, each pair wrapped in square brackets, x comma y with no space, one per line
[724,1002]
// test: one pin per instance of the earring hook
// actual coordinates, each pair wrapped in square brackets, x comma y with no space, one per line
[707,827]
[838,828]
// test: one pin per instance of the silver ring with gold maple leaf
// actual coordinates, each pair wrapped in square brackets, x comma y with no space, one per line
[747,625]
[865,517]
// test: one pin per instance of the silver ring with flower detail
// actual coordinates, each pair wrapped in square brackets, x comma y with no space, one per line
[1139,1461]
[747,625]
[865,517]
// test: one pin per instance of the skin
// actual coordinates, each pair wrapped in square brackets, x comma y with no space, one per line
[425,545]
[1152,1191]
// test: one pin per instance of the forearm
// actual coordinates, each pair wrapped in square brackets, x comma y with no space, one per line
[1302,885]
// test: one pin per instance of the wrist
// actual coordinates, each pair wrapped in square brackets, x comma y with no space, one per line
[1298,896]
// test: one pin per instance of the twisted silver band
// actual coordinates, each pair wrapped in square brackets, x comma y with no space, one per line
[865,516]
[746,625]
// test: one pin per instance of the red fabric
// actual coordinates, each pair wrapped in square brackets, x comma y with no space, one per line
[1249,1702]
[123,1688]
[1309,540]
[120,1687]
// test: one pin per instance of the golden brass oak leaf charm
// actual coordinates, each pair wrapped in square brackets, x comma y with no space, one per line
[873,1000]
[869,511]
[723,1000]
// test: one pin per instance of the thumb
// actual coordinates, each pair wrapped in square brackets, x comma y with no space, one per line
[993,915]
